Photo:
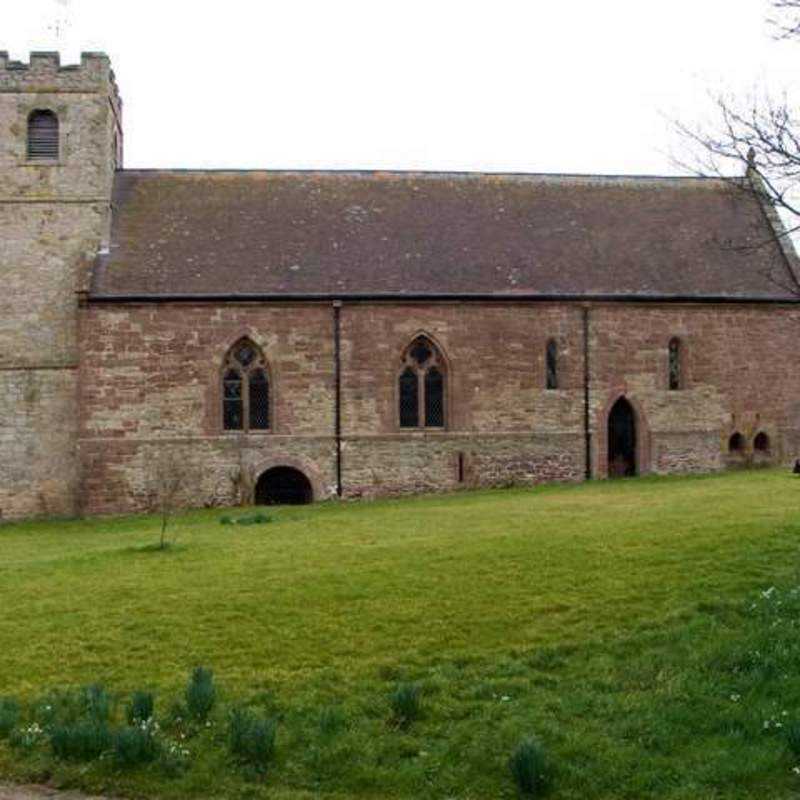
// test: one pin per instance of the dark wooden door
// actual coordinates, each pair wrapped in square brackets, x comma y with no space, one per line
[621,440]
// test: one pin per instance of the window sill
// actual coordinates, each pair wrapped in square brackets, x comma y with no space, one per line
[228,432]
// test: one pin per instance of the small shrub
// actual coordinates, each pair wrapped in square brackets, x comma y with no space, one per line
[140,708]
[95,702]
[200,694]
[9,715]
[135,746]
[81,741]
[60,706]
[793,737]
[251,739]
[406,705]
[225,520]
[529,768]
[257,518]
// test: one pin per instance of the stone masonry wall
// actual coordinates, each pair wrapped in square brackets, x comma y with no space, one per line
[739,375]
[92,399]
[150,384]
[53,220]
[38,469]
[504,424]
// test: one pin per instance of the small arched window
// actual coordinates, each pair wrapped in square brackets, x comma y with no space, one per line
[761,442]
[42,136]
[675,376]
[245,389]
[551,358]
[736,443]
[421,386]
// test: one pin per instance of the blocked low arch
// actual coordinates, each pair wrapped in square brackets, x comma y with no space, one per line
[319,491]
[283,485]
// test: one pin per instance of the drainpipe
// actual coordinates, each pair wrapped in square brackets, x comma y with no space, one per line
[587,435]
[337,370]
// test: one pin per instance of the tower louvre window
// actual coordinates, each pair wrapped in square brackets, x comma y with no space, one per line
[42,136]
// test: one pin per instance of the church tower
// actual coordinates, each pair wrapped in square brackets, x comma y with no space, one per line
[60,142]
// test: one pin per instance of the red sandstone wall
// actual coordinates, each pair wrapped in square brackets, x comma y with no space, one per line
[150,377]
[507,427]
[739,375]
[149,380]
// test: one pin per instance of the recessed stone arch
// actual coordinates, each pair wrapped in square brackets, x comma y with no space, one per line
[600,457]
[283,486]
[736,443]
[761,442]
[313,477]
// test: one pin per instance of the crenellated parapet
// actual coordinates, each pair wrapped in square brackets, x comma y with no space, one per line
[44,73]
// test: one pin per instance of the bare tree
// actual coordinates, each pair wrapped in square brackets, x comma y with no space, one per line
[170,478]
[761,137]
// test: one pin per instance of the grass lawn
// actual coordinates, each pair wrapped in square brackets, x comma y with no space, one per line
[626,625]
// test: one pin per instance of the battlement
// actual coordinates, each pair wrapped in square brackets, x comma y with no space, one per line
[44,73]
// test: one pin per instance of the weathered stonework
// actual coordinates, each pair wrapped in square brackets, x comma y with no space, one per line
[150,379]
[95,388]
[53,219]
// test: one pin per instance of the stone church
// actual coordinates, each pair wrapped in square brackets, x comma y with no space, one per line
[295,336]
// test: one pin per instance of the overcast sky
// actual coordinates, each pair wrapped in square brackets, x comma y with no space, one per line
[507,85]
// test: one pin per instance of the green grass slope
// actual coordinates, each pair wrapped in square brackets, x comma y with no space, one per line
[616,622]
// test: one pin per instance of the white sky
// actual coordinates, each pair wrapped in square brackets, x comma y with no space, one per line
[510,85]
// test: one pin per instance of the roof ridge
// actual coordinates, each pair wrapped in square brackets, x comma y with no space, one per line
[417,173]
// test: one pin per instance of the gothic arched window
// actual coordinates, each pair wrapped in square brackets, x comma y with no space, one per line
[551,359]
[675,377]
[42,136]
[421,386]
[761,442]
[245,389]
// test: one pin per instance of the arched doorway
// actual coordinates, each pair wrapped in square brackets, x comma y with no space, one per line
[283,486]
[621,440]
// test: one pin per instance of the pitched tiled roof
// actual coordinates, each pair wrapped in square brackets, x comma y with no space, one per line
[350,233]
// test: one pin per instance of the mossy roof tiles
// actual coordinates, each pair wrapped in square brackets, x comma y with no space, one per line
[351,233]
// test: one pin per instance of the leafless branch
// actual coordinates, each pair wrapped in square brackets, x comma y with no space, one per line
[786,20]
[170,477]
